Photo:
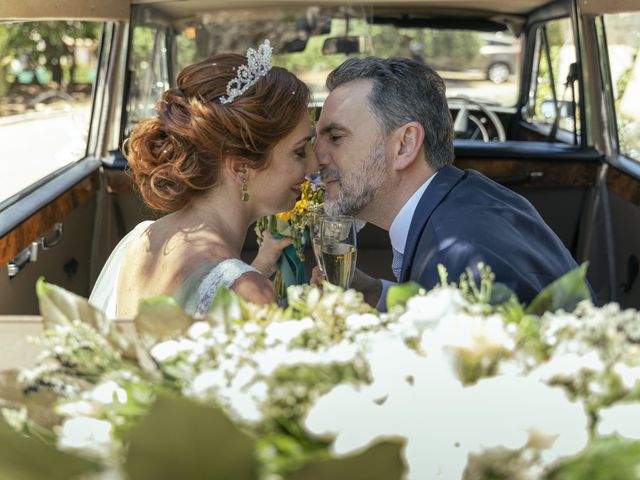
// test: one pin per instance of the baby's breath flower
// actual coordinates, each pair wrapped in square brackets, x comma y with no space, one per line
[88,434]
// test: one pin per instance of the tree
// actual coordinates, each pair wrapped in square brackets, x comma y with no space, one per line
[50,44]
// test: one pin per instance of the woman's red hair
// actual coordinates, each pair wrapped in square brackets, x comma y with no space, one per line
[178,154]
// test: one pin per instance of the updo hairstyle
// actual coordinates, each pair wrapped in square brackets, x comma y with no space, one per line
[179,153]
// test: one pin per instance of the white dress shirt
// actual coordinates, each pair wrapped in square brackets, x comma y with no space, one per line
[398,233]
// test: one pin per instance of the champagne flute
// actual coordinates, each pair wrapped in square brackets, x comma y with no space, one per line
[316,238]
[338,249]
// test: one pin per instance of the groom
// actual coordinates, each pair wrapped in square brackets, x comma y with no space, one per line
[385,149]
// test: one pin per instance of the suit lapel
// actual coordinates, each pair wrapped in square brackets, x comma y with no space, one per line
[447,177]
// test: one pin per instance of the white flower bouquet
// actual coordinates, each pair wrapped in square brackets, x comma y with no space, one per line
[459,382]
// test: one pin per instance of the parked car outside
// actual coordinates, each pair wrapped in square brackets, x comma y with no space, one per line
[500,55]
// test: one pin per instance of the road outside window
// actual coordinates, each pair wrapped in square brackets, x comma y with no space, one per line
[623,44]
[47,72]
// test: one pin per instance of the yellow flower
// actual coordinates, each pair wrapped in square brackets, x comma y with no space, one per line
[301,205]
[284,216]
[294,222]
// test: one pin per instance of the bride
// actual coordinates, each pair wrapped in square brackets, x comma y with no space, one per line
[230,143]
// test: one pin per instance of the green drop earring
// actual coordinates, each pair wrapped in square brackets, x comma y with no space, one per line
[245,191]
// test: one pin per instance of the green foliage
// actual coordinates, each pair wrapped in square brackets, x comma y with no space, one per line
[23,458]
[60,307]
[142,45]
[311,59]
[294,405]
[160,318]
[438,45]
[226,307]
[564,293]
[182,439]
[46,43]
[283,452]
[399,294]
[186,51]
[383,461]
[628,128]
[609,458]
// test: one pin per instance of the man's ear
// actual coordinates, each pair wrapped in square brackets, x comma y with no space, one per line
[237,169]
[408,143]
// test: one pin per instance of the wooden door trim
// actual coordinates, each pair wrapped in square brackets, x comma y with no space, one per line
[624,185]
[535,173]
[36,223]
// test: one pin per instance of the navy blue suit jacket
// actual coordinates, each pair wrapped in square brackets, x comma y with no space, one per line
[464,218]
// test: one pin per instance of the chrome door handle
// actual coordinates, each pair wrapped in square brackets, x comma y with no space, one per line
[51,238]
[30,254]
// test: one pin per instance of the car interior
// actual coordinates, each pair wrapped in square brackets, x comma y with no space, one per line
[551,114]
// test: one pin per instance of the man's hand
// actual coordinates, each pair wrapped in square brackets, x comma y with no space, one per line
[370,287]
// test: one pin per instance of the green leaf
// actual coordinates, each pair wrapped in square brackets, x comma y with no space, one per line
[564,293]
[23,458]
[225,307]
[399,294]
[160,318]
[500,294]
[610,458]
[183,439]
[383,461]
[40,404]
[59,306]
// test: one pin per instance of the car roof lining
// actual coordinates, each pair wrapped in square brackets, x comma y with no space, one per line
[477,8]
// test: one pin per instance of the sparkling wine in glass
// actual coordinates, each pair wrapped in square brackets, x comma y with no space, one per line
[338,249]
[316,239]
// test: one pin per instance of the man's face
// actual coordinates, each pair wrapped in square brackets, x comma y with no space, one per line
[350,149]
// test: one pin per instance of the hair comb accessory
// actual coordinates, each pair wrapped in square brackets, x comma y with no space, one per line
[258,65]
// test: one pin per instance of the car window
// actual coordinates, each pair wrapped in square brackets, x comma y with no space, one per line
[47,75]
[148,72]
[554,93]
[623,45]
[311,41]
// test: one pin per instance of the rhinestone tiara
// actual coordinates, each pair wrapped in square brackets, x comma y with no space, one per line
[258,65]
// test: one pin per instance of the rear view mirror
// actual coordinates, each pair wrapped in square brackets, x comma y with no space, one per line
[292,46]
[312,23]
[346,45]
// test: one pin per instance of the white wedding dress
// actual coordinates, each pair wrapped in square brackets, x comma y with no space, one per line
[194,295]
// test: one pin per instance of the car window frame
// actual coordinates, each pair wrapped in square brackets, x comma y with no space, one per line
[21,206]
[28,192]
[145,16]
[616,157]
[533,55]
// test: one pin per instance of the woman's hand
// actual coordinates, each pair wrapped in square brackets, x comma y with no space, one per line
[269,253]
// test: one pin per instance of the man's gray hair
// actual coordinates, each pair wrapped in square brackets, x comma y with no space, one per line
[403,91]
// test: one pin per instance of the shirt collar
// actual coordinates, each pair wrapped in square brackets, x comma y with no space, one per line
[399,229]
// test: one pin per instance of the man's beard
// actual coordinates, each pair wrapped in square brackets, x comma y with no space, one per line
[359,187]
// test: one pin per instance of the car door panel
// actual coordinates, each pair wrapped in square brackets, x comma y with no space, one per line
[556,183]
[65,264]
[69,195]
[624,205]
